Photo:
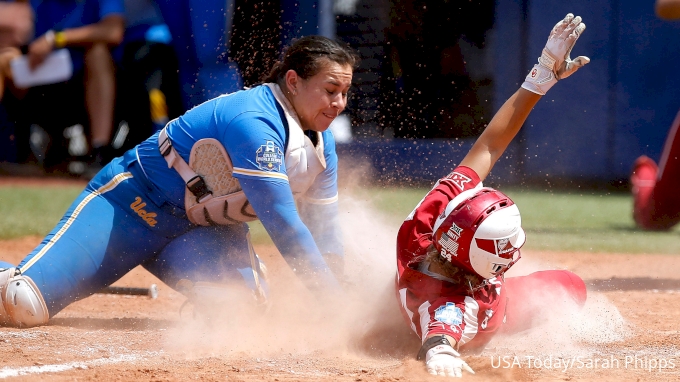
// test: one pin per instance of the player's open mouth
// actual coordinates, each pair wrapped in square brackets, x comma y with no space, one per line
[331,116]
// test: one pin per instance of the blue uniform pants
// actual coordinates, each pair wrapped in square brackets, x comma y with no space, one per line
[121,221]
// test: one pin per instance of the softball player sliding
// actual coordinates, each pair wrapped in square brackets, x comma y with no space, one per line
[178,202]
[454,248]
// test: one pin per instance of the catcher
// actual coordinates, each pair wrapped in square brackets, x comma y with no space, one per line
[454,248]
[178,202]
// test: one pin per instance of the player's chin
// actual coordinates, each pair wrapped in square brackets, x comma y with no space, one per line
[322,124]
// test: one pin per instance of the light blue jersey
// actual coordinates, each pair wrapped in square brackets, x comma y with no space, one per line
[132,213]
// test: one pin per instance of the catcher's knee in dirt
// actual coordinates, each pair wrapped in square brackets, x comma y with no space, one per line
[22,303]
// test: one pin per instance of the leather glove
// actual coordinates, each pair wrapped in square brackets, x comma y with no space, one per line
[443,360]
[555,62]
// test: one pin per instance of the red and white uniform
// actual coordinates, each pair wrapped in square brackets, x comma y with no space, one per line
[433,304]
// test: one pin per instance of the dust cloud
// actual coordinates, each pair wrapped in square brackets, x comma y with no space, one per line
[565,330]
[365,320]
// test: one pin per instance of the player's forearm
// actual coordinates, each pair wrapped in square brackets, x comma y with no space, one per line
[296,244]
[499,133]
[324,224]
[110,31]
[554,64]
[298,248]
[275,207]
[668,9]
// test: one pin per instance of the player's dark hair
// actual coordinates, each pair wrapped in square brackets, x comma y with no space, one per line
[433,257]
[450,270]
[308,55]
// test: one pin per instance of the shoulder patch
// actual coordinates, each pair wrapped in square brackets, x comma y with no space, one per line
[458,179]
[269,157]
[449,314]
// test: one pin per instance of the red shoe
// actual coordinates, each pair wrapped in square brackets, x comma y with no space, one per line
[642,179]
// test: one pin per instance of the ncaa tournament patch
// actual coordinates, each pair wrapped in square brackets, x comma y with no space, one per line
[449,314]
[269,157]
[458,179]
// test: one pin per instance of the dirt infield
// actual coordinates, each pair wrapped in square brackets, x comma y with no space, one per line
[627,331]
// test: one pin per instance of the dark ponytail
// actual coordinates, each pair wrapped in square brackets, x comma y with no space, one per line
[307,56]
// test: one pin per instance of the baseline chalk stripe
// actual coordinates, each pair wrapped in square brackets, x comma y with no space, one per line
[7,372]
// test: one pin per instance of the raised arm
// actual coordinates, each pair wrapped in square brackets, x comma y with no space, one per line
[554,64]
[500,131]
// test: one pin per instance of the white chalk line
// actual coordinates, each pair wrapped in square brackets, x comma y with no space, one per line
[7,372]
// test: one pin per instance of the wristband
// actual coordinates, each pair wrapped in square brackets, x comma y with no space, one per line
[59,39]
[49,37]
[547,60]
[430,343]
[542,77]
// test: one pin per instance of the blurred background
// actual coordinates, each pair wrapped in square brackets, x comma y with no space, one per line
[432,75]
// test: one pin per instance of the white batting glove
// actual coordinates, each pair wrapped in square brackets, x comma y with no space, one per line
[443,360]
[555,62]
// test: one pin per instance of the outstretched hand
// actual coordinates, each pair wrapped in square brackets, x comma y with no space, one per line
[443,360]
[555,62]
[560,43]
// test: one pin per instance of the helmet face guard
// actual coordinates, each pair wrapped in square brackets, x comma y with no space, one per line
[480,230]
[498,269]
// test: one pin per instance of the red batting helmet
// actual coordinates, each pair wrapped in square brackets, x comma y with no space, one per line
[480,230]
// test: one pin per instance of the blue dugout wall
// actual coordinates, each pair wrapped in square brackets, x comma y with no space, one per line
[589,128]
[592,126]
[200,37]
